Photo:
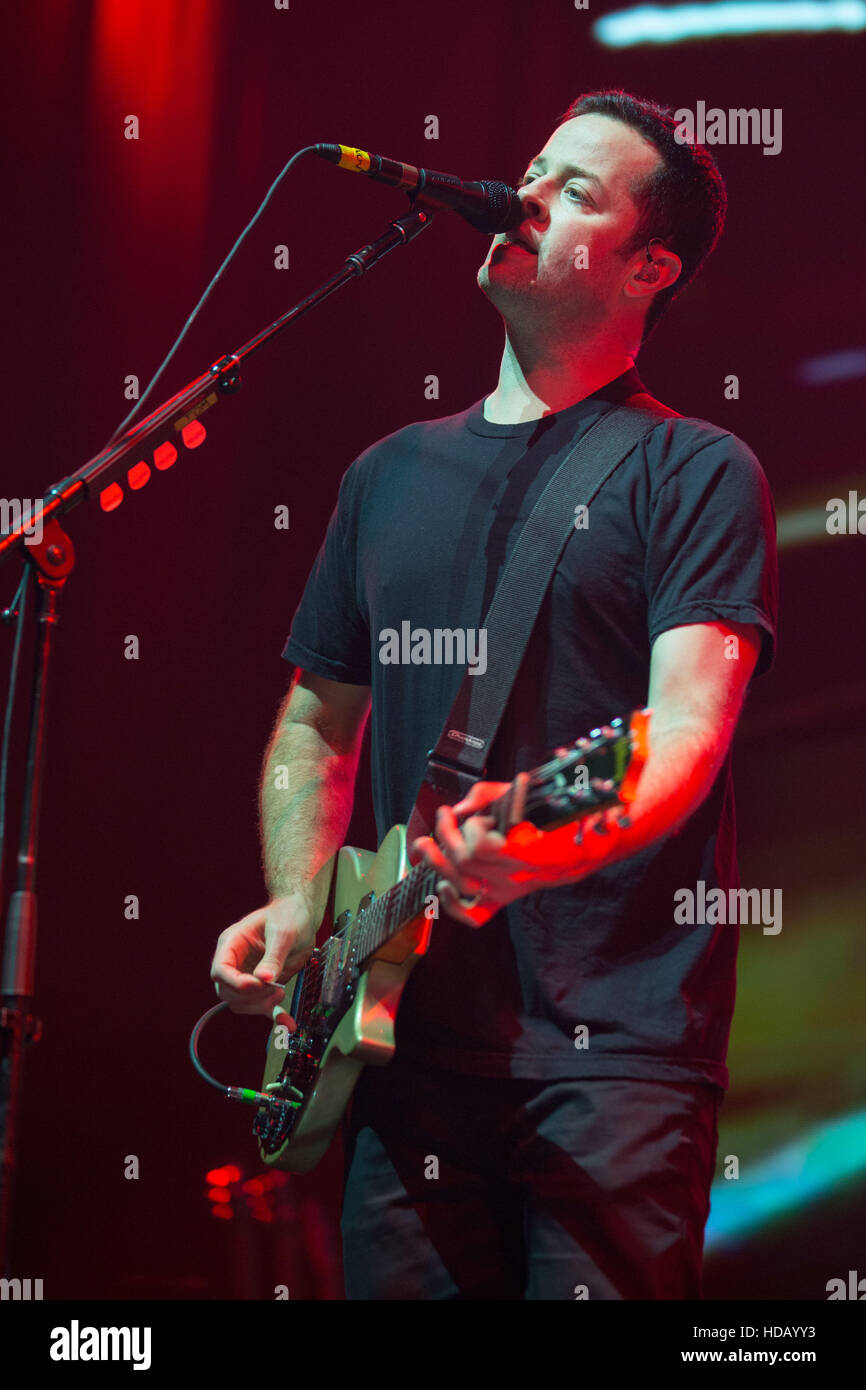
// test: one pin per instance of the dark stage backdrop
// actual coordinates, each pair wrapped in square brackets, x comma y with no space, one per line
[153,763]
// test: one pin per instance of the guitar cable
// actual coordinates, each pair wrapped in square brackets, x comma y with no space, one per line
[242,1093]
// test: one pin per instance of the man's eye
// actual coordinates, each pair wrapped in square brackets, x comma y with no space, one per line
[579,194]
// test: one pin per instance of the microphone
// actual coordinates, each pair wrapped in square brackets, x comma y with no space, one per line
[488,205]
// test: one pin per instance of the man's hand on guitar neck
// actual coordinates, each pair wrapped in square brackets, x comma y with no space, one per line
[482,870]
[267,946]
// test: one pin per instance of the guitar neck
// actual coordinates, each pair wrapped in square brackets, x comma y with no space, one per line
[386,916]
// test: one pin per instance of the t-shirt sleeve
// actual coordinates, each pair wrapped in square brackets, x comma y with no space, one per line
[329,633]
[711,547]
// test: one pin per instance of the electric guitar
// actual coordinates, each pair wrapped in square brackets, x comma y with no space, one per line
[345,999]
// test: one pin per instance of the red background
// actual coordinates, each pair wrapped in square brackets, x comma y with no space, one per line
[151,786]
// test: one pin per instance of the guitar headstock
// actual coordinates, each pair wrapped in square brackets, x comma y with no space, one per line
[581,778]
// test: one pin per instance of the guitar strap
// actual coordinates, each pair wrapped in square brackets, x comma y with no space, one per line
[459,758]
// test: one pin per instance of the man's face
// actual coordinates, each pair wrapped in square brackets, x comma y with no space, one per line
[578,210]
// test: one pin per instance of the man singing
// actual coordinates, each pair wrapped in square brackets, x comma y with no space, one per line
[548,1126]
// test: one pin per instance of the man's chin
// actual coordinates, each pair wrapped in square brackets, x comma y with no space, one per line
[503,289]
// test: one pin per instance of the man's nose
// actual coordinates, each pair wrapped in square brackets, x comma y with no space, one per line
[532,205]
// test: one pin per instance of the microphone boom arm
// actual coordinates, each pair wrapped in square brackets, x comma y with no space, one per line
[167,420]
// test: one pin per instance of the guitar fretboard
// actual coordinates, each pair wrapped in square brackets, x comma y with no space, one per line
[384,917]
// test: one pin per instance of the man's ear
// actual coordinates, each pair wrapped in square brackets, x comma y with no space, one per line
[648,277]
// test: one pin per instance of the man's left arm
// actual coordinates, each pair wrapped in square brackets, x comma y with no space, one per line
[698,678]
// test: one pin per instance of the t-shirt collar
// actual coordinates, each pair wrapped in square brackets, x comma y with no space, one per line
[619,389]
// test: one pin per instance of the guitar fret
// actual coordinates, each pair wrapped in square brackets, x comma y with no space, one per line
[386,915]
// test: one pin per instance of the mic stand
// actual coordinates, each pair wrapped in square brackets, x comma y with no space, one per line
[52,560]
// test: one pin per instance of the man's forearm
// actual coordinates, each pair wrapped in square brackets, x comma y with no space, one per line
[678,776]
[306,799]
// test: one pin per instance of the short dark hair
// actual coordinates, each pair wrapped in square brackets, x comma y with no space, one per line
[683,201]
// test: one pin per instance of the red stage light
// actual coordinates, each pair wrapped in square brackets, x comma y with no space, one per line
[138,475]
[111,497]
[193,434]
[164,456]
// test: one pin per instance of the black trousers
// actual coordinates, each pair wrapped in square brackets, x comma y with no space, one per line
[467,1187]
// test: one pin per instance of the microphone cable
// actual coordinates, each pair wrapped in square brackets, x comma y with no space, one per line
[126,421]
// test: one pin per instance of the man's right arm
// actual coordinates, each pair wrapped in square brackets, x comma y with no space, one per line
[307,788]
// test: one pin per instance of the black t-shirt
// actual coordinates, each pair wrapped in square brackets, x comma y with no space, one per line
[683,532]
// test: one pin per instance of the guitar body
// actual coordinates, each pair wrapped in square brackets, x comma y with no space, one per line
[365,1033]
[345,999]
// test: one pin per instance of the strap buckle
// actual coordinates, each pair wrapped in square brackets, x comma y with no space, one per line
[452,780]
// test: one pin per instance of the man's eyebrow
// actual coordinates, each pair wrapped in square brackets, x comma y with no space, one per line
[570,170]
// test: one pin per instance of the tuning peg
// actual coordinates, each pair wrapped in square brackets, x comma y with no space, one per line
[601,784]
